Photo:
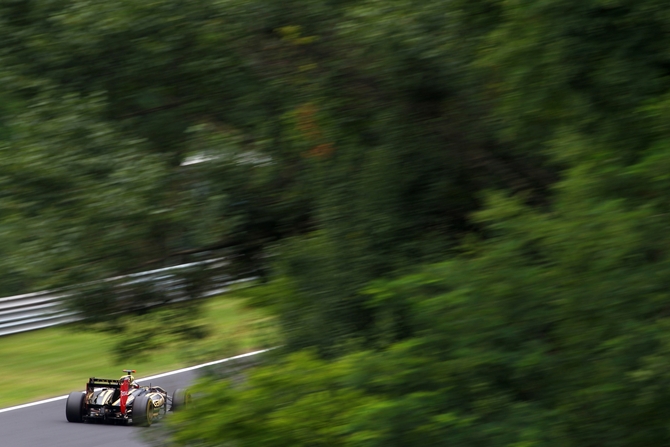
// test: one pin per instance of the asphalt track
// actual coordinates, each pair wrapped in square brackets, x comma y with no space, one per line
[43,423]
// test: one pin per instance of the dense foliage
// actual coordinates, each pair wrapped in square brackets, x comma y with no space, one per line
[459,207]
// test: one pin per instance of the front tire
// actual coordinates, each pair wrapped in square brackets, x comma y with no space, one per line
[143,411]
[74,407]
[180,398]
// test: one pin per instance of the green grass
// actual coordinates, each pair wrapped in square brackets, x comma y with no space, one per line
[52,362]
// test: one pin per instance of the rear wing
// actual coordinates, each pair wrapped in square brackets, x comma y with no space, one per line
[95,382]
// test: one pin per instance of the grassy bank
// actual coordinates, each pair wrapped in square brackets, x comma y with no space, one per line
[55,361]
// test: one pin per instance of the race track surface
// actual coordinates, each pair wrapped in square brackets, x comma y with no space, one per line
[45,424]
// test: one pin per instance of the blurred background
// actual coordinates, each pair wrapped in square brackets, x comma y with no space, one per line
[452,214]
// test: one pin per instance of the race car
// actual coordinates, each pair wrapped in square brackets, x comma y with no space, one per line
[122,401]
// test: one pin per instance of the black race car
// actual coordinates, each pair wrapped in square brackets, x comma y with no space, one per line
[122,401]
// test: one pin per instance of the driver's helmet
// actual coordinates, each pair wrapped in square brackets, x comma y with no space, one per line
[131,380]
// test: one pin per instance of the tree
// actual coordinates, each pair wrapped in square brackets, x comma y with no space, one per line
[306,135]
[547,325]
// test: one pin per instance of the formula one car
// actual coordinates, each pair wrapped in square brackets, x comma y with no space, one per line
[122,401]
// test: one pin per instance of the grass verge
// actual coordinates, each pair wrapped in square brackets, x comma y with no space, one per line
[52,362]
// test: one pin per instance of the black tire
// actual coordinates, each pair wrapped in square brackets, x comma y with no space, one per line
[180,399]
[74,407]
[143,411]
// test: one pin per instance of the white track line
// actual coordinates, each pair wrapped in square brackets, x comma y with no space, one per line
[18,407]
[157,376]
[215,362]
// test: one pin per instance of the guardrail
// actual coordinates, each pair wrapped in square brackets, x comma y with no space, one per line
[38,310]
[32,311]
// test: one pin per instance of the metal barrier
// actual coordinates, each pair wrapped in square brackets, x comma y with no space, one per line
[32,311]
[38,310]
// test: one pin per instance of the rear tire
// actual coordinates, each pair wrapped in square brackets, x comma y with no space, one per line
[143,411]
[180,399]
[74,407]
